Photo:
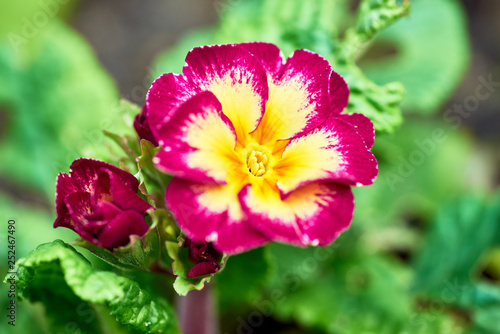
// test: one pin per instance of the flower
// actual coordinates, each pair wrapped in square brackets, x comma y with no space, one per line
[205,258]
[142,128]
[99,202]
[258,146]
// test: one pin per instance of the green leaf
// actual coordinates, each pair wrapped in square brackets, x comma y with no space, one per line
[66,283]
[432,54]
[327,289]
[463,230]
[243,279]
[376,15]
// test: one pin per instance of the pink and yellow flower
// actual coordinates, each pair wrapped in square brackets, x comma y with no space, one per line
[259,147]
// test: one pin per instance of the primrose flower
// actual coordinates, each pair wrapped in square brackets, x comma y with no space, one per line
[99,202]
[258,146]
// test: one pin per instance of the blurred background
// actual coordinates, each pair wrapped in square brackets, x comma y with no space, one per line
[423,253]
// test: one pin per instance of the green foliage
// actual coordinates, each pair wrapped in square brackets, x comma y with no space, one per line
[243,279]
[51,119]
[428,53]
[61,278]
[447,265]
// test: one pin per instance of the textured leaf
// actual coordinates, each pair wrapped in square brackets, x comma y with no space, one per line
[432,53]
[56,272]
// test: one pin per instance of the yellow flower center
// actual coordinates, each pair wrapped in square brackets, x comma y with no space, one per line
[258,159]
[256,163]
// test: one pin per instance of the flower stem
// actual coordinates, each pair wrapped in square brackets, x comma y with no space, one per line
[197,312]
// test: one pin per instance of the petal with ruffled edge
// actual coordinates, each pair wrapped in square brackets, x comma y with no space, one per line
[119,229]
[363,125]
[83,173]
[333,151]
[64,187]
[298,101]
[198,142]
[269,55]
[166,94]
[312,215]
[236,77]
[212,213]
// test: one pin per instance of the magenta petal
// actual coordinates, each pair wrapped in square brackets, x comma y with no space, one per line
[84,172]
[339,93]
[363,125]
[334,215]
[223,224]
[270,56]
[202,269]
[270,224]
[118,231]
[333,151]
[79,205]
[125,198]
[312,215]
[166,94]
[313,72]
[237,79]
[64,187]
[197,141]
[104,211]
[239,236]
[196,221]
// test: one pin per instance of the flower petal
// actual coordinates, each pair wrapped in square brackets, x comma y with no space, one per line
[212,213]
[198,142]
[83,173]
[141,126]
[237,79]
[339,93]
[118,231]
[363,126]
[64,187]
[332,151]
[79,205]
[312,215]
[166,94]
[202,269]
[124,197]
[298,101]
[269,55]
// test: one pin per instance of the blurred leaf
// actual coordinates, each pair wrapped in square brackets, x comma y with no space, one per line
[462,232]
[75,287]
[350,293]
[57,102]
[432,53]
[420,165]
[448,261]
[243,279]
